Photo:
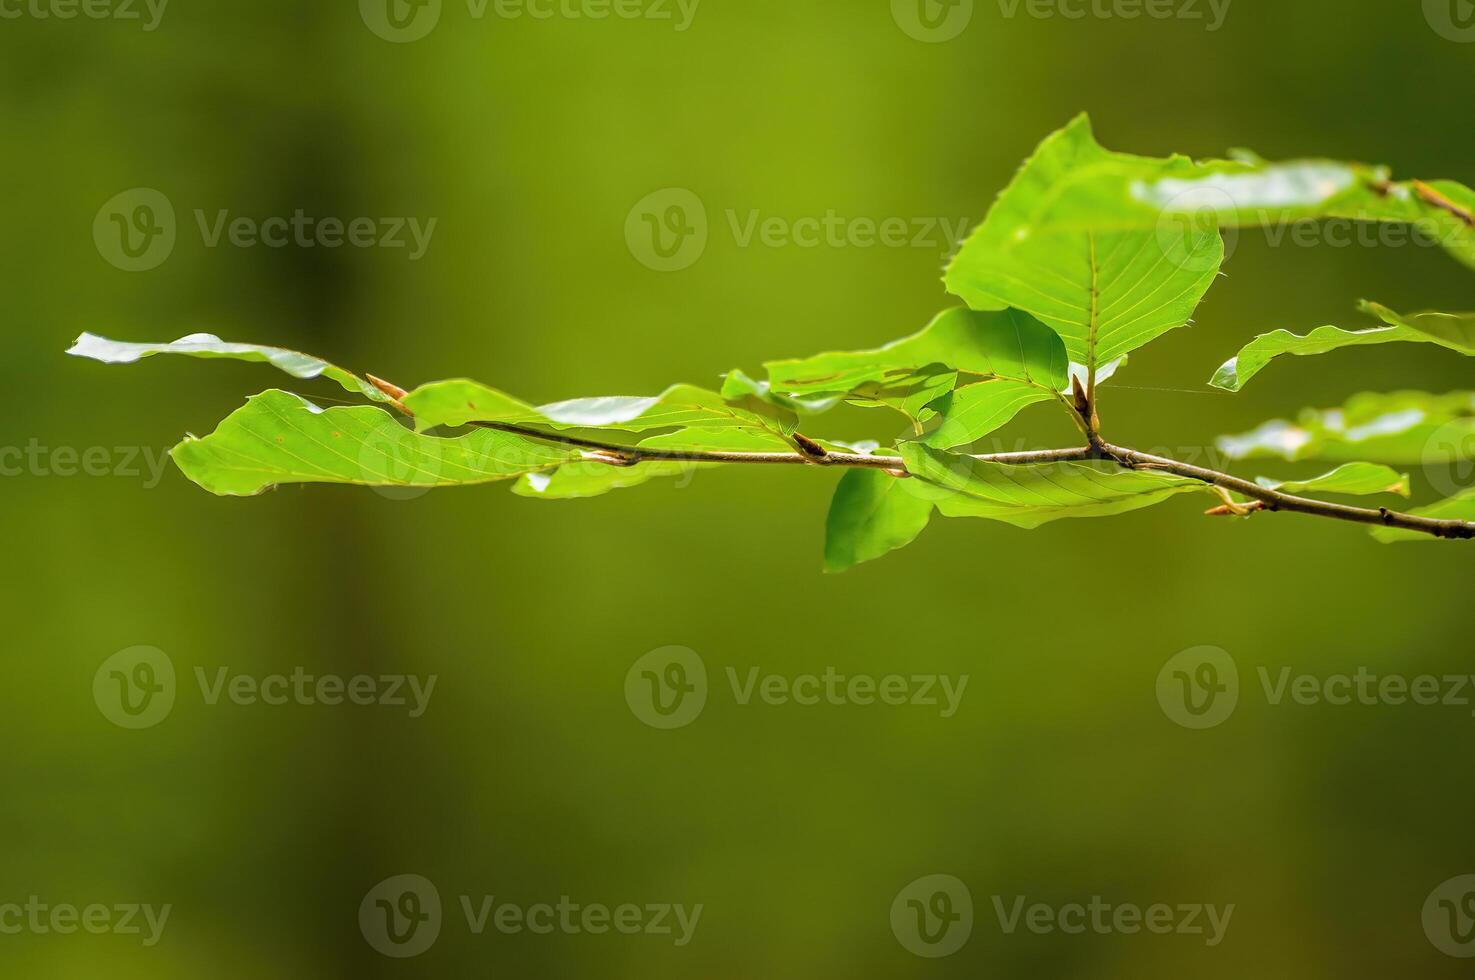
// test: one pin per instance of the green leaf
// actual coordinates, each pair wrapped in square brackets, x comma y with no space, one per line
[1455,331]
[1399,428]
[455,403]
[994,344]
[1004,360]
[1030,495]
[278,437]
[911,395]
[297,364]
[759,397]
[872,513]
[1118,191]
[1105,291]
[973,411]
[1460,507]
[579,479]
[1350,478]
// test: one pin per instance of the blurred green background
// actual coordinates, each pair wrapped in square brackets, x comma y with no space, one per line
[529,777]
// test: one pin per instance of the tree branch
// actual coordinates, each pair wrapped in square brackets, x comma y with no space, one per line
[615,454]
[634,455]
[1274,500]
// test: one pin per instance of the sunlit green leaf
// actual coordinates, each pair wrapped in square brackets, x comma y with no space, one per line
[1350,478]
[872,513]
[912,395]
[1455,331]
[455,403]
[206,345]
[1030,495]
[973,411]
[1400,428]
[1119,191]
[277,437]
[582,478]
[994,344]
[1105,291]
[1004,359]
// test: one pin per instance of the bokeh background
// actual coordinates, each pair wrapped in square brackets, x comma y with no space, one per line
[529,777]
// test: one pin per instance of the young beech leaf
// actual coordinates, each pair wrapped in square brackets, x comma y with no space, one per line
[1398,428]
[1350,478]
[1030,495]
[911,395]
[1105,291]
[871,514]
[455,403]
[1118,191]
[278,437]
[1000,361]
[578,479]
[1455,331]
[759,396]
[296,364]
